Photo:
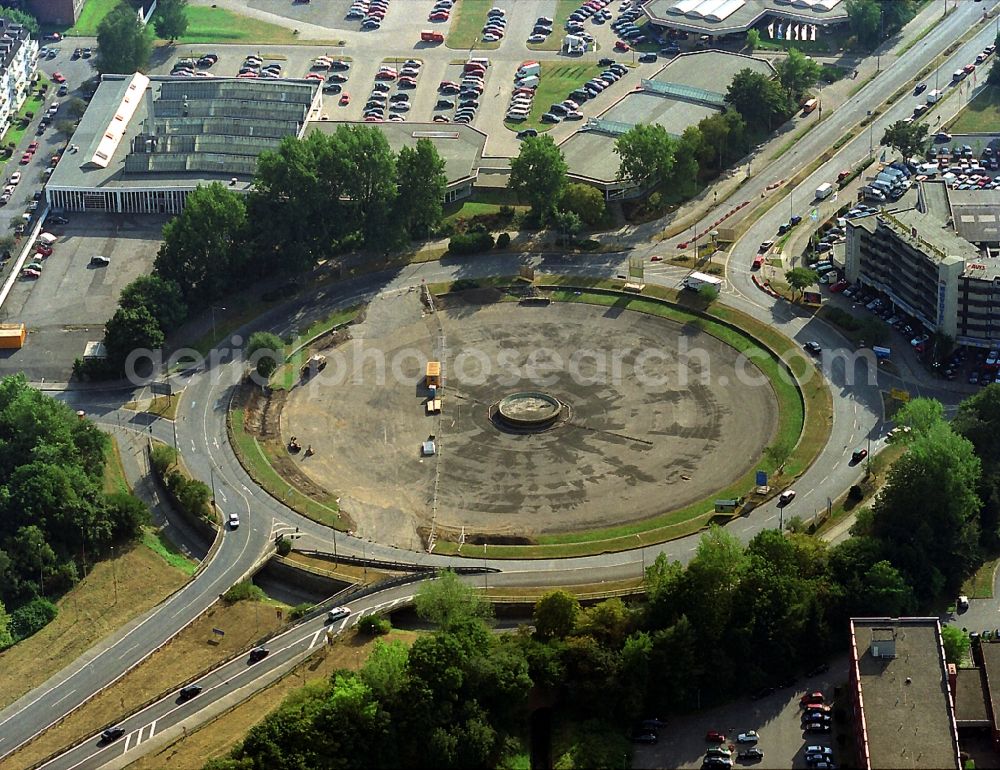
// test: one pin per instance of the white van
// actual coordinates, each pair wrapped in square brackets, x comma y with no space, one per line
[47,239]
[529,82]
[824,191]
[934,96]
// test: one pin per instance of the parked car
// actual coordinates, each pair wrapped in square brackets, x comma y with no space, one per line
[714,736]
[750,736]
[234,518]
[112,734]
[751,755]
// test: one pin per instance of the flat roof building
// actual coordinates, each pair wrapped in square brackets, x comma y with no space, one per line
[145,143]
[728,17]
[899,685]
[936,262]
[688,89]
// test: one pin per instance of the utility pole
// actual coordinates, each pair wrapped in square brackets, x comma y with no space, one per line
[114,573]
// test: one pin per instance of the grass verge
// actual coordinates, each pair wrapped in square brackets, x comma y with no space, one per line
[154,540]
[805,416]
[192,651]
[32,104]
[255,461]
[980,115]
[467,20]
[87,614]
[980,584]
[285,377]
[92,14]
[223,733]
[555,83]
[114,471]
[554,41]
[161,406]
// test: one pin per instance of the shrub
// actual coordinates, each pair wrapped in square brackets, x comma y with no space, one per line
[194,497]
[163,457]
[374,625]
[284,546]
[244,591]
[32,617]
[503,240]
[855,493]
[470,243]
[299,610]
[506,213]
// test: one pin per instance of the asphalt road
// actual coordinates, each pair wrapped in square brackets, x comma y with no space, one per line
[202,436]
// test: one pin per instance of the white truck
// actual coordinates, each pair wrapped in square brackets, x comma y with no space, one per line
[696,280]
[824,191]
[934,96]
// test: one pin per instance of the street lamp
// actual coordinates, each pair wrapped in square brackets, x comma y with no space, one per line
[214,308]
[871,128]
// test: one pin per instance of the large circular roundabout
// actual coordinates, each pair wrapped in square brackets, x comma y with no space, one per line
[612,417]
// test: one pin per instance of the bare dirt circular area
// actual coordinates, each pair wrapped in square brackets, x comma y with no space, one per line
[660,415]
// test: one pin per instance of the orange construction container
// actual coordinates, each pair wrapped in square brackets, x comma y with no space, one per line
[432,375]
[12,336]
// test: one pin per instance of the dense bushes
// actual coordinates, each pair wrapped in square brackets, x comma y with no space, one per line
[193,496]
[245,590]
[374,625]
[54,513]
[471,242]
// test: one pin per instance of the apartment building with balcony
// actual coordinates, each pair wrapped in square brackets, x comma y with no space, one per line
[928,268]
[18,54]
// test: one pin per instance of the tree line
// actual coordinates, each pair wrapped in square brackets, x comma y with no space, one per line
[55,518]
[124,43]
[310,199]
[766,611]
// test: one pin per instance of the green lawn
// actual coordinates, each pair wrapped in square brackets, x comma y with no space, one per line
[32,104]
[217,25]
[155,541]
[554,41]
[91,15]
[981,115]
[466,30]
[555,83]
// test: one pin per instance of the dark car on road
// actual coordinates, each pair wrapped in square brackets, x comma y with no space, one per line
[258,654]
[188,692]
[112,734]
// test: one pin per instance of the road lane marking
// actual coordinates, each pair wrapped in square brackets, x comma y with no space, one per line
[312,642]
[64,697]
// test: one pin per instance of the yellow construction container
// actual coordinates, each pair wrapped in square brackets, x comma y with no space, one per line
[432,374]
[12,336]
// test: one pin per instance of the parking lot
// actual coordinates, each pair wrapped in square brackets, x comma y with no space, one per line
[776,718]
[69,303]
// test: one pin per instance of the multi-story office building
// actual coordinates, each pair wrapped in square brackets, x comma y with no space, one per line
[923,261]
[17,68]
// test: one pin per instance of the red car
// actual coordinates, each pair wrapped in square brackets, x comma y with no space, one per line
[714,736]
[757,262]
[26,158]
[968,69]
[438,16]
[385,75]
[45,251]
[621,46]
[345,99]
[839,286]
[58,77]
[812,698]
[32,147]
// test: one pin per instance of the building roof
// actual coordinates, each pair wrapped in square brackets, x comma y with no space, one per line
[975,214]
[723,17]
[970,700]
[459,145]
[929,234]
[990,653]
[905,702]
[12,37]
[180,132]
[702,75]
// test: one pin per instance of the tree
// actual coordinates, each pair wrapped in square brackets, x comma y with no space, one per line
[921,415]
[646,154]
[538,175]
[909,139]
[927,513]
[886,591]
[66,127]
[170,20]
[708,294]
[761,101]
[421,187]
[896,14]
[266,351]
[753,39]
[556,614]
[199,251]
[865,17]
[160,296]
[449,603]
[956,644]
[128,330]
[6,637]
[568,224]
[75,108]
[797,73]
[994,77]
[684,176]
[370,182]
[123,46]
[385,670]
[800,278]
[23,18]
[585,201]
